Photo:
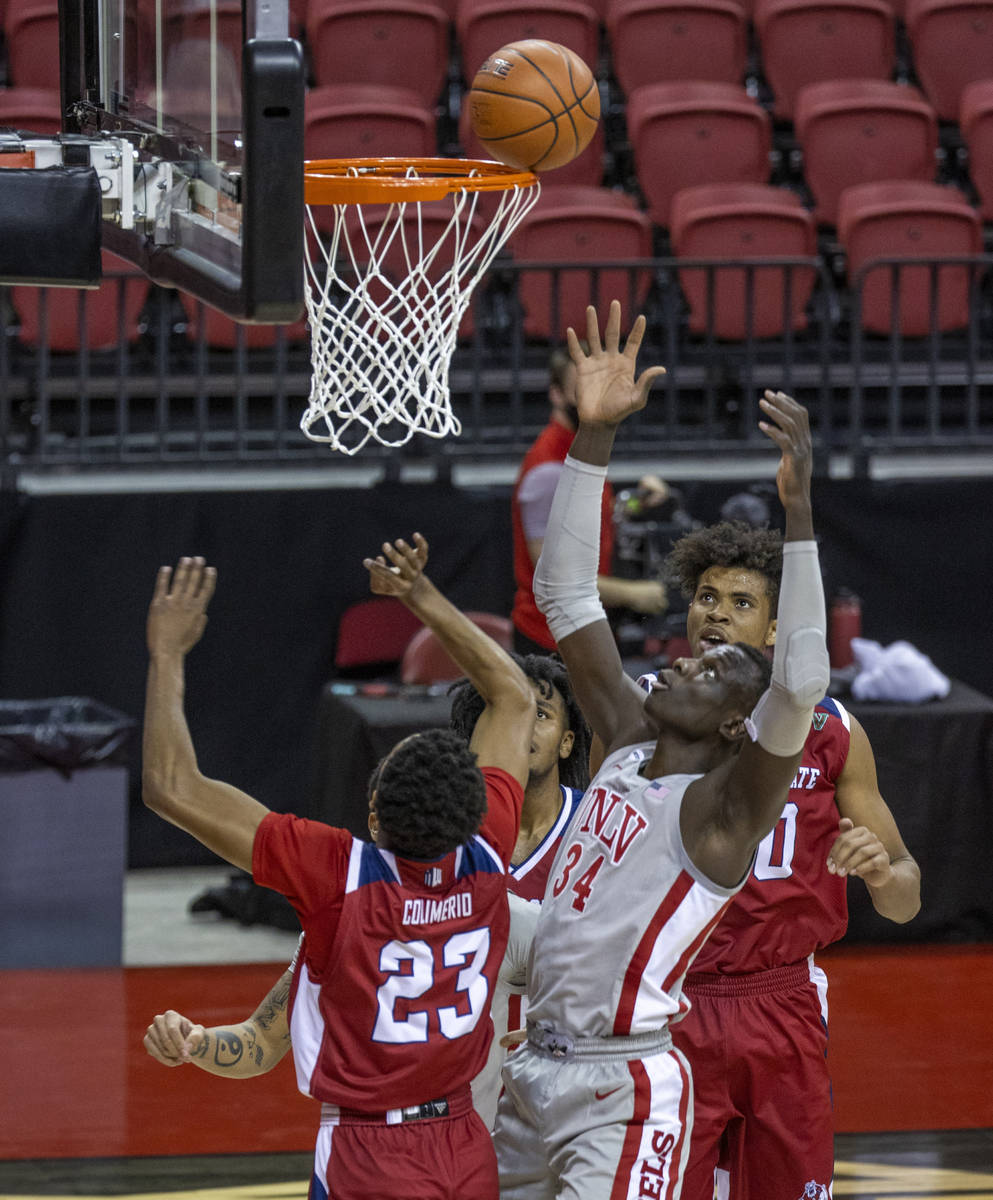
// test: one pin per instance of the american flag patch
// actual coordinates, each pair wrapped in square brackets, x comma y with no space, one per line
[657,791]
[432,877]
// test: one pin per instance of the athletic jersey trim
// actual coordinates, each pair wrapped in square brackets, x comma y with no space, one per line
[570,800]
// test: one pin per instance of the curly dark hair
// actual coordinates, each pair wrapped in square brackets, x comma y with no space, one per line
[727,544]
[547,671]
[430,795]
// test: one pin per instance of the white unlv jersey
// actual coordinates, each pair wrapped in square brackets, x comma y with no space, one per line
[625,911]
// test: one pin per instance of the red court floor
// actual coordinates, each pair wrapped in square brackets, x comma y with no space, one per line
[911,1048]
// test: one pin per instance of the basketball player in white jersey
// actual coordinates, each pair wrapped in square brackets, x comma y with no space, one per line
[597,1104]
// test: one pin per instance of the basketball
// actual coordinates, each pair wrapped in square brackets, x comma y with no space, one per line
[534,105]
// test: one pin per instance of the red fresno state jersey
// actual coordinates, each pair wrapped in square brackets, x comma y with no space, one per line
[391,995]
[528,878]
[791,904]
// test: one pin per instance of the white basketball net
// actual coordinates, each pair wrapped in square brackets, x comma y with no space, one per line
[386,293]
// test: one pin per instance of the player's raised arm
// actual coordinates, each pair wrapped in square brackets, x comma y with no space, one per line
[565,581]
[240,1051]
[723,821]
[220,816]
[502,735]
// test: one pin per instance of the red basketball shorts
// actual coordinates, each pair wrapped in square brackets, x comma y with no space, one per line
[435,1158]
[757,1047]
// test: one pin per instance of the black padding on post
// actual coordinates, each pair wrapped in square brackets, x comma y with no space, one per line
[50,226]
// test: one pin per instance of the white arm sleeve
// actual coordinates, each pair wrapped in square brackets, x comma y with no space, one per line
[565,575]
[800,668]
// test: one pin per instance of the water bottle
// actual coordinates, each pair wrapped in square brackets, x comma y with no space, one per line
[844,623]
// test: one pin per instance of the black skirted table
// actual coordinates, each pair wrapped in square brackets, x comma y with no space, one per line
[934,760]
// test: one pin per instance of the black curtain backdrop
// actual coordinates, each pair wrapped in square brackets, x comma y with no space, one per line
[77,574]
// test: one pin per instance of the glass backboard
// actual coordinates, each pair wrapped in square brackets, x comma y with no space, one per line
[209,96]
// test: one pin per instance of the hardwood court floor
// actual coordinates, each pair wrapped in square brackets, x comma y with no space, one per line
[83,1110]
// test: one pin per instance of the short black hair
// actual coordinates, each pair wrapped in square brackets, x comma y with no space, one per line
[727,544]
[430,794]
[547,671]
[761,674]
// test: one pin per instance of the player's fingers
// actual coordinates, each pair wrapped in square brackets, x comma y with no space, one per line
[509,1040]
[174,1027]
[576,352]
[194,1039]
[612,332]
[635,337]
[409,556]
[162,579]
[180,577]
[421,542]
[158,1043]
[646,379]
[593,330]
[845,824]
[208,582]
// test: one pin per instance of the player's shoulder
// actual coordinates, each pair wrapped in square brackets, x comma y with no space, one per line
[829,713]
[304,831]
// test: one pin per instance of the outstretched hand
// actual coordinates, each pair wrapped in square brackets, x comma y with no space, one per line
[173,1039]
[857,851]
[406,565]
[607,389]
[789,427]
[177,615]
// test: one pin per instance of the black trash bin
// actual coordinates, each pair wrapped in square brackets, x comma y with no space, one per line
[63,850]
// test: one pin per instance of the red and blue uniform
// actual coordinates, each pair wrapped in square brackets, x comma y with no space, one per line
[389,1010]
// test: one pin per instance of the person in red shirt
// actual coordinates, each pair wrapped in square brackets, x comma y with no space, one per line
[756,1032]
[403,937]
[531,503]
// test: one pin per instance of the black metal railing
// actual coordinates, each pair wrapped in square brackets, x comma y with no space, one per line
[153,393]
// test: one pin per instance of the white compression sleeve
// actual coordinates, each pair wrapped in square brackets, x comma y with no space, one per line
[800,668]
[565,575]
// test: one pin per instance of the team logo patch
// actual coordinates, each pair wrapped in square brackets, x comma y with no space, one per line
[819,721]
[432,877]
[814,1191]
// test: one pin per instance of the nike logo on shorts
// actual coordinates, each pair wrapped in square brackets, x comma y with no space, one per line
[598,1095]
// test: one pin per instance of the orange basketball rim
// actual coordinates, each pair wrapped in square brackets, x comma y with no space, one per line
[394,248]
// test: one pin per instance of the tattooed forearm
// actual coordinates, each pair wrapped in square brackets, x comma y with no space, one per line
[273,1007]
[229,1048]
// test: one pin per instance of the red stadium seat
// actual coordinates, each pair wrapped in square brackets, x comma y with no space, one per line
[859,130]
[909,219]
[106,320]
[585,168]
[483,26]
[221,333]
[374,633]
[379,41]
[737,221]
[572,225]
[35,110]
[653,41]
[365,120]
[31,33]
[976,124]
[952,45]
[426,661]
[691,132]
[805,41]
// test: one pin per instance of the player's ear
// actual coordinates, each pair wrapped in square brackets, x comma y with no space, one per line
[733,729]
[770,633]
[567,743]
